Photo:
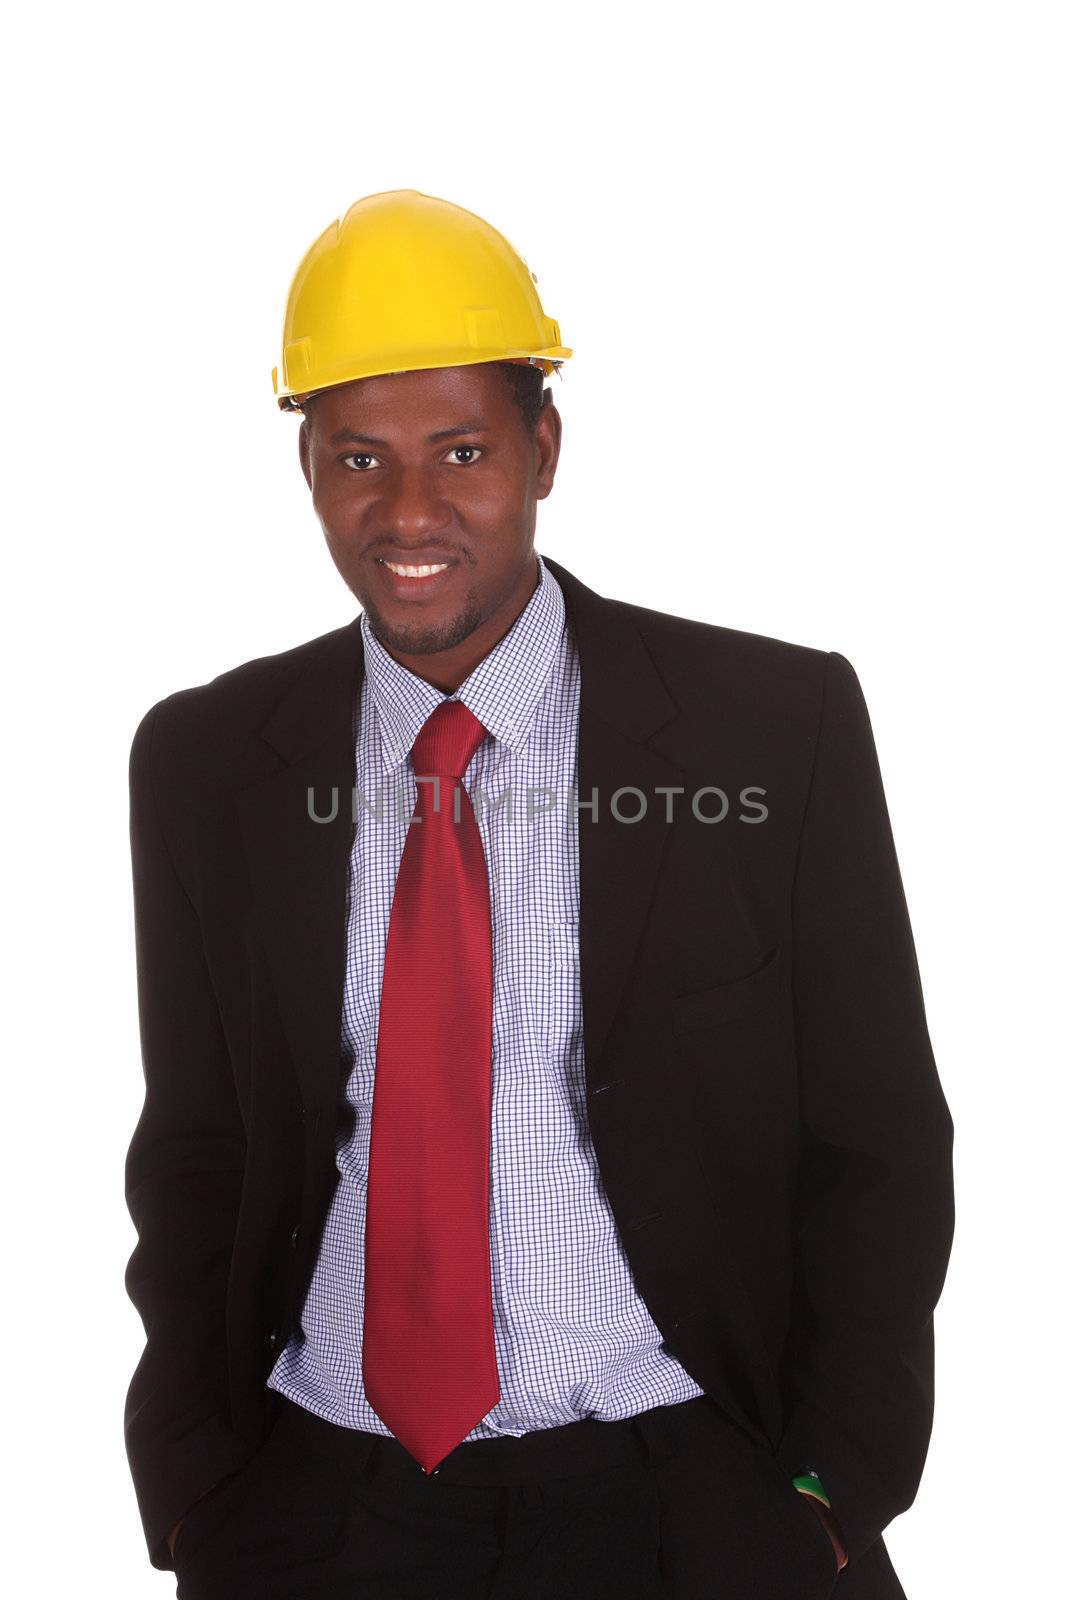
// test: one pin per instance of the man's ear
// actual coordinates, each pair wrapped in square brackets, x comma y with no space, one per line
[304,446]
[547,439]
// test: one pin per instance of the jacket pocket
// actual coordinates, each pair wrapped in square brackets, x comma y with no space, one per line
[706,1008]
[206,1502]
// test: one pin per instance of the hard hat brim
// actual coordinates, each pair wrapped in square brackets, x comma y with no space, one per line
[289,398]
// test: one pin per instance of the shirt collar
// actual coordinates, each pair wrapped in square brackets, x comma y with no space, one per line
[503,691]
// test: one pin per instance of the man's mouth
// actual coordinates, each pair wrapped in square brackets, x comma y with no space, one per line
[411,580]
[416,572]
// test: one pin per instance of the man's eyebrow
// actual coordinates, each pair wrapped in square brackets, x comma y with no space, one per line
[346,435]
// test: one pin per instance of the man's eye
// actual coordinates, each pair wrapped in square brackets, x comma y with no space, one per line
[468,448]
[361,459]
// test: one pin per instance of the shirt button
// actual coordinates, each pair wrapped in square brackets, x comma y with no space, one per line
[294,1236]
[272,1339]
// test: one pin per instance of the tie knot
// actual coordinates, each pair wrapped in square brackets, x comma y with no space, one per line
[446,741]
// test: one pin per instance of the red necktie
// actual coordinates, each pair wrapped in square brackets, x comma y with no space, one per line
[429,1358]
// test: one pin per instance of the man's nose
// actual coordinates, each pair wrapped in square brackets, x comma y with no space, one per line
[413,504]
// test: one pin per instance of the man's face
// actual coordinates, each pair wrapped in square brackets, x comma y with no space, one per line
[433,468]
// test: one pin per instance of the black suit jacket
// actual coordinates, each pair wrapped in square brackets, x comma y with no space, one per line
[762,1099]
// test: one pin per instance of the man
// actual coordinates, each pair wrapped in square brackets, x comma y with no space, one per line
[543,1186]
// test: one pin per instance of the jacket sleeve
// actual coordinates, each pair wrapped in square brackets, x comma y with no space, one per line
[183,1180]
[875,1205]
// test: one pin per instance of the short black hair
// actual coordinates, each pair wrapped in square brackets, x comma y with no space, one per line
[527,382]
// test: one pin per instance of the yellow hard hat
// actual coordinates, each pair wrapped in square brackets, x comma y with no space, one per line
[405,281]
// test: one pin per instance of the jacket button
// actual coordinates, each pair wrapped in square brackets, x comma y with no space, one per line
[272,1339]
[294,1236]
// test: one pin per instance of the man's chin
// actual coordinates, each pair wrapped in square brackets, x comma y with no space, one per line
[419,636]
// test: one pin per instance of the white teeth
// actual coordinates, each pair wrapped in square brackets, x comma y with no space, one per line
[415,572]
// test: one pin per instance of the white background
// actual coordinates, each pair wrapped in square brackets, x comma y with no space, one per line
[811,259]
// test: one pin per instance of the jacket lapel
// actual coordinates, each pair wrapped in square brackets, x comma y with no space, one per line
[623,703]
[298,866]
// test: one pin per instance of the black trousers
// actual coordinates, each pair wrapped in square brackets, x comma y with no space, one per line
[676,1502]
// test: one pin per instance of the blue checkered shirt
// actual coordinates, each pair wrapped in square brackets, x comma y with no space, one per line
[573,1337]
